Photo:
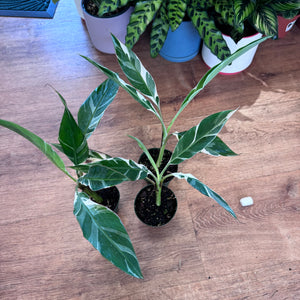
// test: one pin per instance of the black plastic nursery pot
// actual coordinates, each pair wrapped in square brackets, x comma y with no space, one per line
[110,197]
[154,152]
[148,212]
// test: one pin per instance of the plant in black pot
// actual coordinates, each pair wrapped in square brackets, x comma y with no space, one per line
[93,208]
[158,201]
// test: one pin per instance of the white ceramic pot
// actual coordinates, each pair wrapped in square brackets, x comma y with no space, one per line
[100,29]
[238,65]
[79,9]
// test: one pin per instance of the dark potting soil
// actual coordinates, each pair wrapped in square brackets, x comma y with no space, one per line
[110,197]
[154,152]
[148,212]
[92,8]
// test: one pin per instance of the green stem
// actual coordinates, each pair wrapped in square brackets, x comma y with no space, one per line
[92,194]
[158,194]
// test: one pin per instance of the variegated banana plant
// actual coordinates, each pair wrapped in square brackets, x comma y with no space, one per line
[201,138]
[100,225]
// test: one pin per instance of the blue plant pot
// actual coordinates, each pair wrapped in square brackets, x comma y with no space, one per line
[181,45]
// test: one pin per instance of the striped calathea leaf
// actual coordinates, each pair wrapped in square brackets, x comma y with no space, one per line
[197,138]
[176,12]
[107,6]
[110,172]
[211,35]
[205,190]
[106,232]
[144,12]
[159,32]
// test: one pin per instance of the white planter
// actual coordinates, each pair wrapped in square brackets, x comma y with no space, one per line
[79,9]
[100,29]
[238,65]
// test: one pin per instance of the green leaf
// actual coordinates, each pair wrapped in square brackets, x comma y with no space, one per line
[198,137]
[144,12]
[176,12]
[71,139]
[112,171]
[265,21]
[215,148]
[213,72]
[218,148]
[107,6]
[243,9]
[159,32]
[92,110]
[105,231]
[39,143]
[205,190]
[134,70]
[211,35]
[285,5]
[128,88]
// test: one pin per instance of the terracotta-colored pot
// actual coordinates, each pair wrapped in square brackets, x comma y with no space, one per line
[285,25]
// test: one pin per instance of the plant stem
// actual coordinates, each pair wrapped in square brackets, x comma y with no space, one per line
[92,194]
[158,194]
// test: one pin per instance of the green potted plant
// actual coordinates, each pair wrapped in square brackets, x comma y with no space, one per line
[200,138]
[228,25]
[100,225]
[286,21]
[101,24]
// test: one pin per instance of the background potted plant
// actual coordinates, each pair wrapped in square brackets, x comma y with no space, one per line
[101,24]
[226,26]
[100,225]
[286,21]
[200,138]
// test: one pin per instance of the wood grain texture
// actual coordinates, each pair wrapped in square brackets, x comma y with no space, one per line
[203,253]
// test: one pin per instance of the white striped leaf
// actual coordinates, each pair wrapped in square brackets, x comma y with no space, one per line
[112,171]
[128,88]
[135,71]
[93,108]
[197,138]
[105,231]
[215,148]
[205,190]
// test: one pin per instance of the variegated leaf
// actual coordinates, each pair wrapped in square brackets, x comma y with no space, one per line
[112,171]
[243,9]
[205,190]
[136,95]
[107,6]
[92,110]
[215,148]
[197,138]
[135,71]
[144,12]
[176,12]
[106,232]
[265,21]
[285,6]
[159,32]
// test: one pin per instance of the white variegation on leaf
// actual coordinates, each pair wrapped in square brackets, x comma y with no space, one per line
[205,190]
[136,95]
[215,148]
[197,138]
[92,110]
[106,232]
[112,171]
[135,71]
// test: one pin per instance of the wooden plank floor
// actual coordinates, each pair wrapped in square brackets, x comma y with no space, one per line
[203,253]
